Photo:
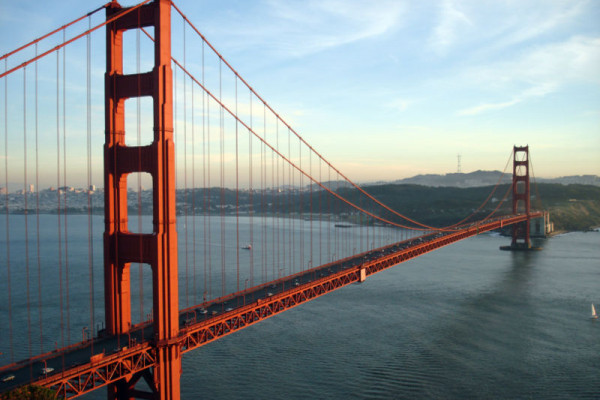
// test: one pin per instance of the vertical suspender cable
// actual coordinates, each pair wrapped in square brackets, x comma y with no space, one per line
[8,280]
[208,201]
[89,181]
[301,221]
[185,187]
[288,198]
[286,224]
[58,198]
[330,213]
[263,241]
[237,193]
[365,245]
[250,195]
[271,211]
[204,190]
[175,120]
[222,176]
[320,212]
[25,190]
[310,258]
[194,287]
[37,207]
[275,191]
[273,208]
[292,207]
[64,110]
[336,247]
[280,212]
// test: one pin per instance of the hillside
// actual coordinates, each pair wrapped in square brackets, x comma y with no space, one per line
[572,207]
[487,178]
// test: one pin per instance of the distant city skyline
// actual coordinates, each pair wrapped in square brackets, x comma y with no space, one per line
[391,89]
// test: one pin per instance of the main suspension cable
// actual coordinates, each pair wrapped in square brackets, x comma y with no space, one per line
[87,32]
[222,59]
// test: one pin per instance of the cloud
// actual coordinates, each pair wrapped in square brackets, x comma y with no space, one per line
[451,24]
[472,27]
[530,20]
[400,104]
[488,106]
[537,72]
[535,91]
[301,28]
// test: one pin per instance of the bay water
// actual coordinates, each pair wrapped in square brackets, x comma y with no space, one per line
[465,321]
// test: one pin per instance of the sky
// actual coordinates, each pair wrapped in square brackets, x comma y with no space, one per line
[389,89]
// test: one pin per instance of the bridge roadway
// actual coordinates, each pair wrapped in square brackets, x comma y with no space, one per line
[88,365]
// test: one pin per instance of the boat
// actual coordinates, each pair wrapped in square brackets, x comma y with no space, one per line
[594,315]
[343,225]
[247,247]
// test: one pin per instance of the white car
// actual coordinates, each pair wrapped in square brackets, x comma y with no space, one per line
[7,378]
[46,370]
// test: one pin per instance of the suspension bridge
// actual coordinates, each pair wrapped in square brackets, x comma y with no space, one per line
[243,220]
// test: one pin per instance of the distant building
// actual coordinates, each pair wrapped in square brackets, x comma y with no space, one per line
[31,188]
[92,188]
[542,226]
[3,190]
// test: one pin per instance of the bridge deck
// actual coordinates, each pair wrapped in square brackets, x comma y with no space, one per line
[88,365]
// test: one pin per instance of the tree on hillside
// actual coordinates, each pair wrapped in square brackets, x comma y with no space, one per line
[30,392]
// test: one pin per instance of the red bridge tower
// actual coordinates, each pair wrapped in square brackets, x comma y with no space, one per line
[158,249]
[520,199]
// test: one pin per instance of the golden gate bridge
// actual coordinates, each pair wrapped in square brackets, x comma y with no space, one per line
[244,218]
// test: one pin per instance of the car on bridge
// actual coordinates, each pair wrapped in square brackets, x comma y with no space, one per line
[8,378]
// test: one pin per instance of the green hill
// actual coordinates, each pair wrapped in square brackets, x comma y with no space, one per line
[571,207]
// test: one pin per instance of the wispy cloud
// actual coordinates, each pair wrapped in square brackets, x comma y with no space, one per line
[530,20]
[301,28]
[400,104]
[468,26]
[537,73]
[488,106]
[452,22]
[535,91]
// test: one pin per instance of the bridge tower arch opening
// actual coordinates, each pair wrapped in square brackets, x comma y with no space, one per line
[158,248]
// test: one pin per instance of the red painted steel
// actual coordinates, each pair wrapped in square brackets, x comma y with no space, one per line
[121,247]
[125,366]
[521,203]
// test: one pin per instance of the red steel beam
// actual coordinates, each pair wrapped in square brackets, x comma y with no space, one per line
[101,371]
